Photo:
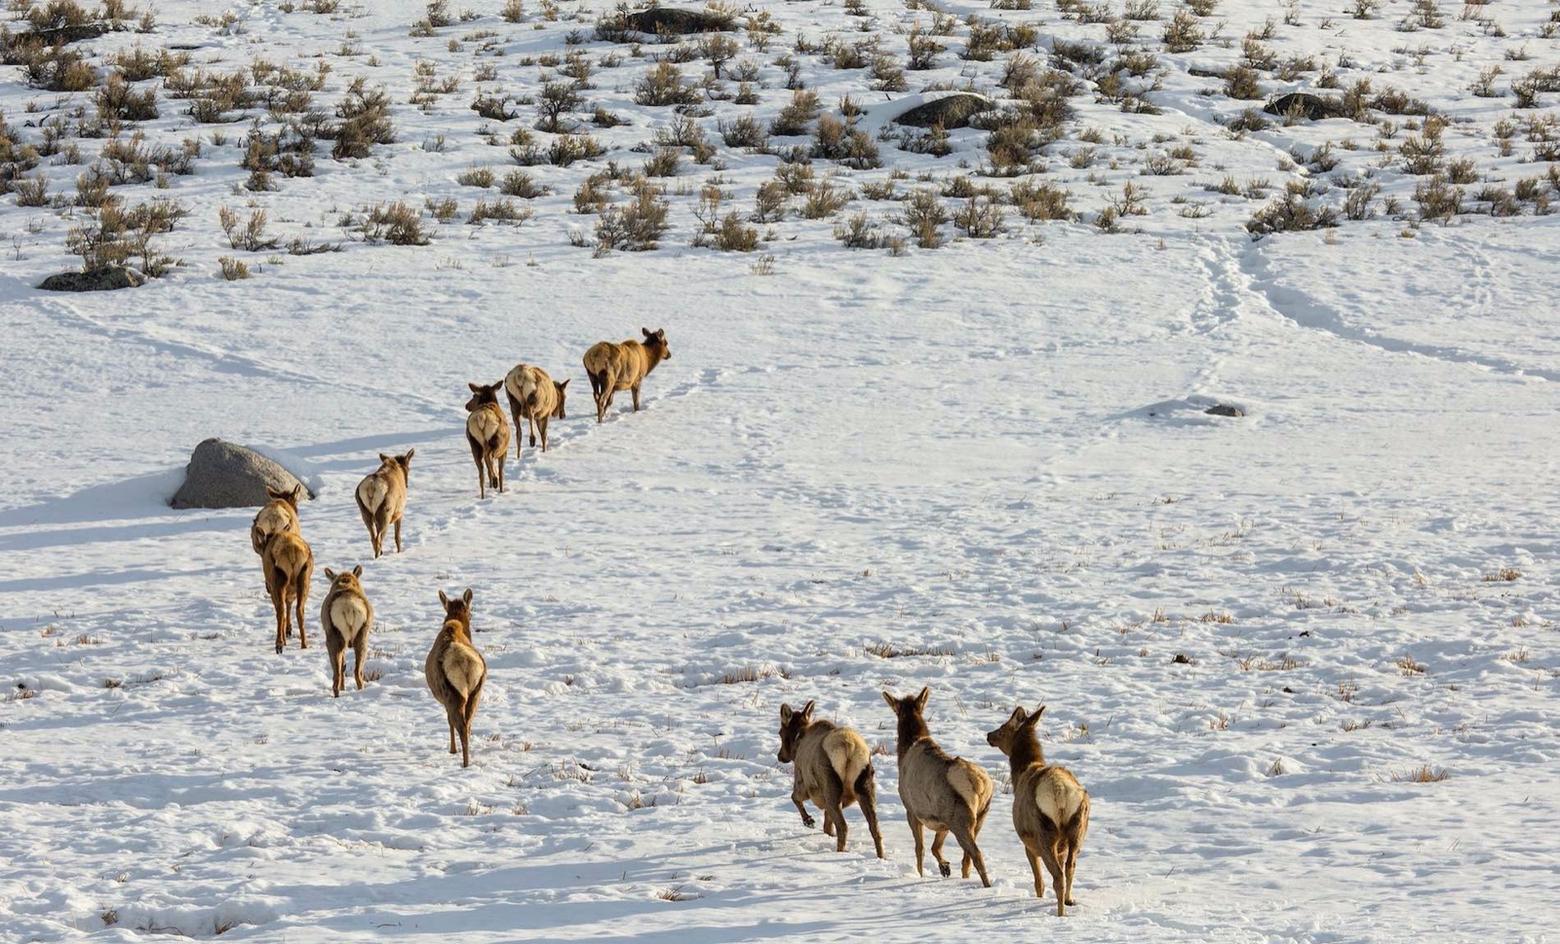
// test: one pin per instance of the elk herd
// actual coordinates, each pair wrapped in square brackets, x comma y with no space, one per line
[831,764]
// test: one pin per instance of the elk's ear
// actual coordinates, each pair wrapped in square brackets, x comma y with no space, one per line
[383,457]
[273,493]
[467,596]
[407,459]
[807,710]
[330,574]
[296,493]
[785,713]
[357,571]
[1017,717]
[474,387]
[660,333]
[647,331]
[1036,716]
[920,700]
[891,702]
[564,384]
[444,601]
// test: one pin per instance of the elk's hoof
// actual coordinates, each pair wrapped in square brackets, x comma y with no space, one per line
[809,822]
[945,869]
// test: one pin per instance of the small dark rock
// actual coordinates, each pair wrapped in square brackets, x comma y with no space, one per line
[1311,107]
[1224,409]
[1181,658]
[224,475]
[950,111]
[102,279]
[664,21]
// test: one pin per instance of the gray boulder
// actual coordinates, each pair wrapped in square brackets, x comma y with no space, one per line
[949,111]
[668,21]
[1224,409]
[1308,106]
[224,475]
[102,279]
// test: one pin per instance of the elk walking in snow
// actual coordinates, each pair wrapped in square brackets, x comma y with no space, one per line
[487,432]
[536,397]
[381,498]
[456,672]
[1050,807]
[833,769]
[346,617]
[613,367]
[946,793]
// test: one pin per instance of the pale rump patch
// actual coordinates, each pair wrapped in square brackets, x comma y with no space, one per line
[600,356]
[848,755]
[275,518]
[349,614]
[463,667]
[288,553]
[482,425]
[1058,795]
[971,783]
[372,491]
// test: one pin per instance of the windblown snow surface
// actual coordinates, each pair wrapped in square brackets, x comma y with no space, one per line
[983,468]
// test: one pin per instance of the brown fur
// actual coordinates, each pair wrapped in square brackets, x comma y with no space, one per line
[346,616]
[613,367]
[1050,807]
[947,793]
[456,672]
[487,433]
[833,769]
[277,515]
[289,565]
[381,498]
[536,397]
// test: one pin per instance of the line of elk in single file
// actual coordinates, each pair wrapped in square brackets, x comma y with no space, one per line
[832,769]
[832,764]
[455,670]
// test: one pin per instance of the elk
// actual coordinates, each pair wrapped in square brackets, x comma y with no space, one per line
[456,671]
[1050,807]
[346,617]
[614,367]
[289,565]
[534,396]
[381,498]
[277,515]
[487,432]
[945,793]
[833,769]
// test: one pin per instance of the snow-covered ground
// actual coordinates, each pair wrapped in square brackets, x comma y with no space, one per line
[984,468]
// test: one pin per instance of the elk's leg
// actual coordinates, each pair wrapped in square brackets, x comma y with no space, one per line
[939,836]
[833,792]
[397,538]
[966,841]
[866,796]
[800,800]
[449,716]
[476,456]
[1069,867]
[359,654]
[300,601]
[279,603]
[635,391]
[1034,866]
[1048,855]
[920,842]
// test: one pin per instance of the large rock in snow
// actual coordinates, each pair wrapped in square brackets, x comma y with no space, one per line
[103,279]
[952,110]
[1311,107]
[224,475]
[664,20]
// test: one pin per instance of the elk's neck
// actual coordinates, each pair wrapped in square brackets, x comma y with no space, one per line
[1026,752]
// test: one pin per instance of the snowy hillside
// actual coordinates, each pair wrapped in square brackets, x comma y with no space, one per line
[935,415]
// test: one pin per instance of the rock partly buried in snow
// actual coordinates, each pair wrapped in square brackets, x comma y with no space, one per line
[1224,409]
[224,475]
[950,111]
[662,20]
[102,279]
[1312,107]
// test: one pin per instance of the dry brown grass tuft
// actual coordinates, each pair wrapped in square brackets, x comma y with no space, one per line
[1422,774]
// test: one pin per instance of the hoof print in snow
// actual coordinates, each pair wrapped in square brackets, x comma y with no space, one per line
[101,279]
[1224,409]
[225,475]
[949,111]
